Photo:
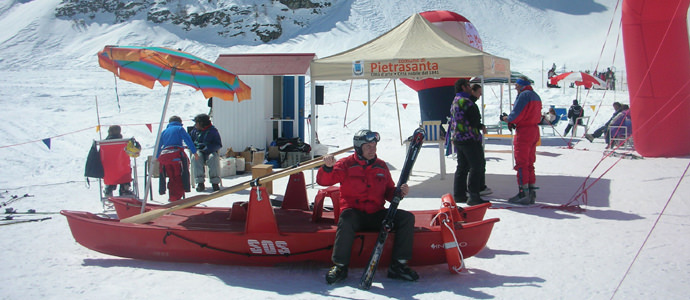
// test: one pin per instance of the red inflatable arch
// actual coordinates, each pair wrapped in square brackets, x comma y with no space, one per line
[657,58]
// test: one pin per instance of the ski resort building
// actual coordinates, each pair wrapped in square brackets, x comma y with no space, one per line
[276,108]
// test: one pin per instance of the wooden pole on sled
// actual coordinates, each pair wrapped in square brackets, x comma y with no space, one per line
[191,201]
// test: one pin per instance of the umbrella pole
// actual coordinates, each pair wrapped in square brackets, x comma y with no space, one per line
[158,136]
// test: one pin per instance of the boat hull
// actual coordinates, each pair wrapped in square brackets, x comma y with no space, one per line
[170,240]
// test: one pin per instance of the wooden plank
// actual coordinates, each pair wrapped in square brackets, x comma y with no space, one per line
[191,201]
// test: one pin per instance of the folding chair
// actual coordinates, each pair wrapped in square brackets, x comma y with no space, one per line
[116,166]
[581,121]
[619,138]
[433,135]
[553,125]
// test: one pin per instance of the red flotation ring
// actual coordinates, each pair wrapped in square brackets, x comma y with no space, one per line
[447,215]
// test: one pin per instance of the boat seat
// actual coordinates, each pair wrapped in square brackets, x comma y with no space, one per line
[238,211]
[332,192]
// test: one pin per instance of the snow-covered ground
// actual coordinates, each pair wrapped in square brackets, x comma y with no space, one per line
[628,243]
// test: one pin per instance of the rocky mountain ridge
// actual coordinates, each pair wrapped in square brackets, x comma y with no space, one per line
[263,19]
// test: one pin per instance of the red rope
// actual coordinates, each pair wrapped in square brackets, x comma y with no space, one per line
[372,103]
[347,103]
[649,234]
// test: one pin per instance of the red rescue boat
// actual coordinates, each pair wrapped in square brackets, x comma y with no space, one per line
[256,233]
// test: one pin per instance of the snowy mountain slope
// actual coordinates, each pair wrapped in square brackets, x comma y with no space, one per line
[525,31]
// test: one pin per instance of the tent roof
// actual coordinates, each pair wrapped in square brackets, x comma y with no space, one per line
[415,49]
[266,63]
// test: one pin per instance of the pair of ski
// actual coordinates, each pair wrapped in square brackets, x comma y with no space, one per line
[387,224]
[12,211]
[14,198]
[11,221]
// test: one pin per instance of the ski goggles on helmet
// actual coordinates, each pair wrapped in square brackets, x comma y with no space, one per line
[366,136]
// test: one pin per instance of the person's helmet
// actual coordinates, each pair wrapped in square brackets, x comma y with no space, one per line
[362,137]
[203,120]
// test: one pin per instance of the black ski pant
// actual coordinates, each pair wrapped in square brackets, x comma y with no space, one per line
[354,220]
[471,162]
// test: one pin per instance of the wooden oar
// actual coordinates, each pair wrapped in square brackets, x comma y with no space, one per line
[202,196]
[189,202]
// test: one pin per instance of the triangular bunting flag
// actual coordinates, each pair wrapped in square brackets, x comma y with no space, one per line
[365,103]
[47,142]
[149,127]
[484,105]
[98,128]
[404,105]
[593,107]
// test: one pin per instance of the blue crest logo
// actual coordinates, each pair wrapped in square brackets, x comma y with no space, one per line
[358,67]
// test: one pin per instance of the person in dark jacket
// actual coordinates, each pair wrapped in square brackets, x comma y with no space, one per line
[207,141]
[601,130]
[524,117]
[172,159]
[476,93]
[574,112]
[365,185]
[467,138]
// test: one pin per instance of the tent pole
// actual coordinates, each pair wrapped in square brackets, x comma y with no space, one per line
[369,101]
[481,78]
[312,134]
[158,137]
[397,108]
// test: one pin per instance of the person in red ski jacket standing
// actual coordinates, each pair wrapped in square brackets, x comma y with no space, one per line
[365,185]
[524,117]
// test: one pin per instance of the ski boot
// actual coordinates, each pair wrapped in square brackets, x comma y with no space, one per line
[532,194]
[336,273]
[400,270]
[108,191]
[475,199]
[522,196]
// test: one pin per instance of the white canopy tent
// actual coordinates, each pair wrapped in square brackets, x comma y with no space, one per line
[415,49]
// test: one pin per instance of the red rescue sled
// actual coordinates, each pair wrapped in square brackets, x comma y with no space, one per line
[256,233]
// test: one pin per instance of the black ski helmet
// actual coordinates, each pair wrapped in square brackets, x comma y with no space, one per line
[362,137]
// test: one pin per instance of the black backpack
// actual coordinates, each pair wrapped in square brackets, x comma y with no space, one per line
[292,145]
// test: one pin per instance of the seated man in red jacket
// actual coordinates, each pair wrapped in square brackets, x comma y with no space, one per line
[365,185]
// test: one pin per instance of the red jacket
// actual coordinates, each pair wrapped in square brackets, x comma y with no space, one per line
[363,187]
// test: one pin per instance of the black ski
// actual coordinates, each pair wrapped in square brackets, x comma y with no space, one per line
[10,222]
[387,224]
